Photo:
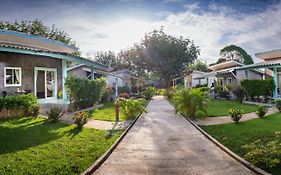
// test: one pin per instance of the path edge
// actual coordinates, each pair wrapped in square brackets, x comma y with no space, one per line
[105,155]
[225,149]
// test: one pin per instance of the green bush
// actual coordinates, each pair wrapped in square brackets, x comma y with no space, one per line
[239,92]
[235,114]
[54,114]
[190,101]
[278,104]
[149,92]
[217,88]
[131,107]
[201,85]
[25,102]
[258,87]
[224,94]
[85,93]
[264,155]
[107,95]
[228,87]
[80,119]
[160,92]
[170,93]
[124,89]
[261,111]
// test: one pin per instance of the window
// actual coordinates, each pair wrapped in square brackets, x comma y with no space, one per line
[229,80]
[12,76]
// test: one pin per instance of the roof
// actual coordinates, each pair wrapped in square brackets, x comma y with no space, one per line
[104,69]
[20,39]
[126,71]
[265,64]
[206,75]
[224,65]
[57,55]
[269,54]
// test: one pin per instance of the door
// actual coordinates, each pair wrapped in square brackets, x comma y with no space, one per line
[45,83]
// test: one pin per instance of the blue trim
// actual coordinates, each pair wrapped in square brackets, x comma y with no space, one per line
[275,93]
[25,35]
[64,77]
[53,55]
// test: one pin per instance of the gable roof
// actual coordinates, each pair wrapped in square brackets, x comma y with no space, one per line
[225,65]
[269,54]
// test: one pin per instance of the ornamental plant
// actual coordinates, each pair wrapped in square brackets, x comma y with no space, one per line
[149,93]
[278,104]
[235,114]
[80,119]
[261,111]
[131,107]
[54,114]
[191,101]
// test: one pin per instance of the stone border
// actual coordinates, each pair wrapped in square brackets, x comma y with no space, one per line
[104,157]
[225,149]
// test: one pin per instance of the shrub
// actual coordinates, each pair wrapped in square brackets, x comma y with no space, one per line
[54,114]
[201,85]
[278,104]
[258,87]
[190,101]
[132,107]
[228,87]
[124,95]
[33,110]
[224,94]
[261,111]
[264,155]
[85,93]
[239,92]
[235,114]
[107,95]
[149,93]
[124,89]
[80,119]
[161,92]
[217,88]
[170,93]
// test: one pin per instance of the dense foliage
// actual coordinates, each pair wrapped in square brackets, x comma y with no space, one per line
[261,111]
[149,92]
[239,92]
[131,107]
[191,101]
[236,53]
[258,87]
[278,104]
[37,27]
[80,119]
[199,66]
[21,103]
[85,93]
[235,114]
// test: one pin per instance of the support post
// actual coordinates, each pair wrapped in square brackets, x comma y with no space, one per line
[275,94]
[116,87]
[92,73]
[64,77]
[246,74]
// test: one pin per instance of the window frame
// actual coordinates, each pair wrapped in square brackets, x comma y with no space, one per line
[227,80]
[20,77]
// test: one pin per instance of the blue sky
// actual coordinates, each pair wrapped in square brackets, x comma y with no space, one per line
[102,25]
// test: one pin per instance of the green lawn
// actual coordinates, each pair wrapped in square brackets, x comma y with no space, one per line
[35,146]
[107,112]
[221,107]
[234,136]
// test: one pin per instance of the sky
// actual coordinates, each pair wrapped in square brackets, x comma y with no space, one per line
[102,25]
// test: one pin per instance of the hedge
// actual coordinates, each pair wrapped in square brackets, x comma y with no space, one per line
[85,93]
[258,87]
[25,104]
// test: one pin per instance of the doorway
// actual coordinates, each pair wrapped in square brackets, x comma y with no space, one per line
[45,83]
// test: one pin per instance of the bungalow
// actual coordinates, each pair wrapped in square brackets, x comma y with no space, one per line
[271,64]
[229,73]
[190,81]
[85,72]
[33,64]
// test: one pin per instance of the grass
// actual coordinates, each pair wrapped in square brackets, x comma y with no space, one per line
[234,136]
[107,113]
[221,107]
[35,146]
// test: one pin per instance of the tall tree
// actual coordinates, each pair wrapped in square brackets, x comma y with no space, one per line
[233,52]
[199,66]
[37,27]
[166,55]
[107,58]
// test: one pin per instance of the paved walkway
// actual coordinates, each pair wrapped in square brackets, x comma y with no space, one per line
[227,119]
[162,142]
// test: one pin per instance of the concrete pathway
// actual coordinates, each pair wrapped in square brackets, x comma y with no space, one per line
[227,119]
[162,142]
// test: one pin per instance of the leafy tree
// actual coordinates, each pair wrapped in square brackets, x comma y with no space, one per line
[233,52]
[199,66]
[107,58]
[37,27]
[164,54]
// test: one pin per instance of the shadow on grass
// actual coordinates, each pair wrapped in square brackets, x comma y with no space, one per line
[74,131]
[16,135]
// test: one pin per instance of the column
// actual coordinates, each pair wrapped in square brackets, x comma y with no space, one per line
[92,73]
[64,77]
[275,93]
[246,74]
[116,87]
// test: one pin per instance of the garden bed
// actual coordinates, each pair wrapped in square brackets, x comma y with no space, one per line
[33,145]
[234,136]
